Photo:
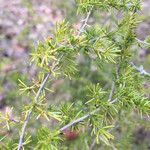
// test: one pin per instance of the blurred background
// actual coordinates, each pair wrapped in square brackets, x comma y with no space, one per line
[25,22]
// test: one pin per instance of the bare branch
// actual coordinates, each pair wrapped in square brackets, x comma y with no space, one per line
[140,69]
[92,145]
[79,119]
[113,83]
[29,113]
[142,42]
[84,117]
[85,22]
[111,102]
[112,91]
[42,86]
[23,130]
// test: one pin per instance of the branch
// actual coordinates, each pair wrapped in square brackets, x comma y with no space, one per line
[113,83]
[85,22]
[92,145]
[23,130]
[95,111]
[84,117]
[42,86]
[112,91]
[140,69]
[29,113]
[142,42]
[79,119]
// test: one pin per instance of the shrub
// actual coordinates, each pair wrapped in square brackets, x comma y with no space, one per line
[105,86]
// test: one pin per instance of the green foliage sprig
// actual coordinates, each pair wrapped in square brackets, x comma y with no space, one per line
[56,57]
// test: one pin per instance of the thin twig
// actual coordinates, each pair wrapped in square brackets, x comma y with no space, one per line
[79,119]
[85,22]
[142,42]
[84,117]
[140,69]
[29,113]
[42,86]
[113,83]
[92,145]
[111,102]
[23,130]
[112,91]
[117,70]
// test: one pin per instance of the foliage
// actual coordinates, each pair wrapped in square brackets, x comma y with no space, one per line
[98,109]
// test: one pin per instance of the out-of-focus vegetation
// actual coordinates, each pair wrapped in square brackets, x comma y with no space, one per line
[22,24]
